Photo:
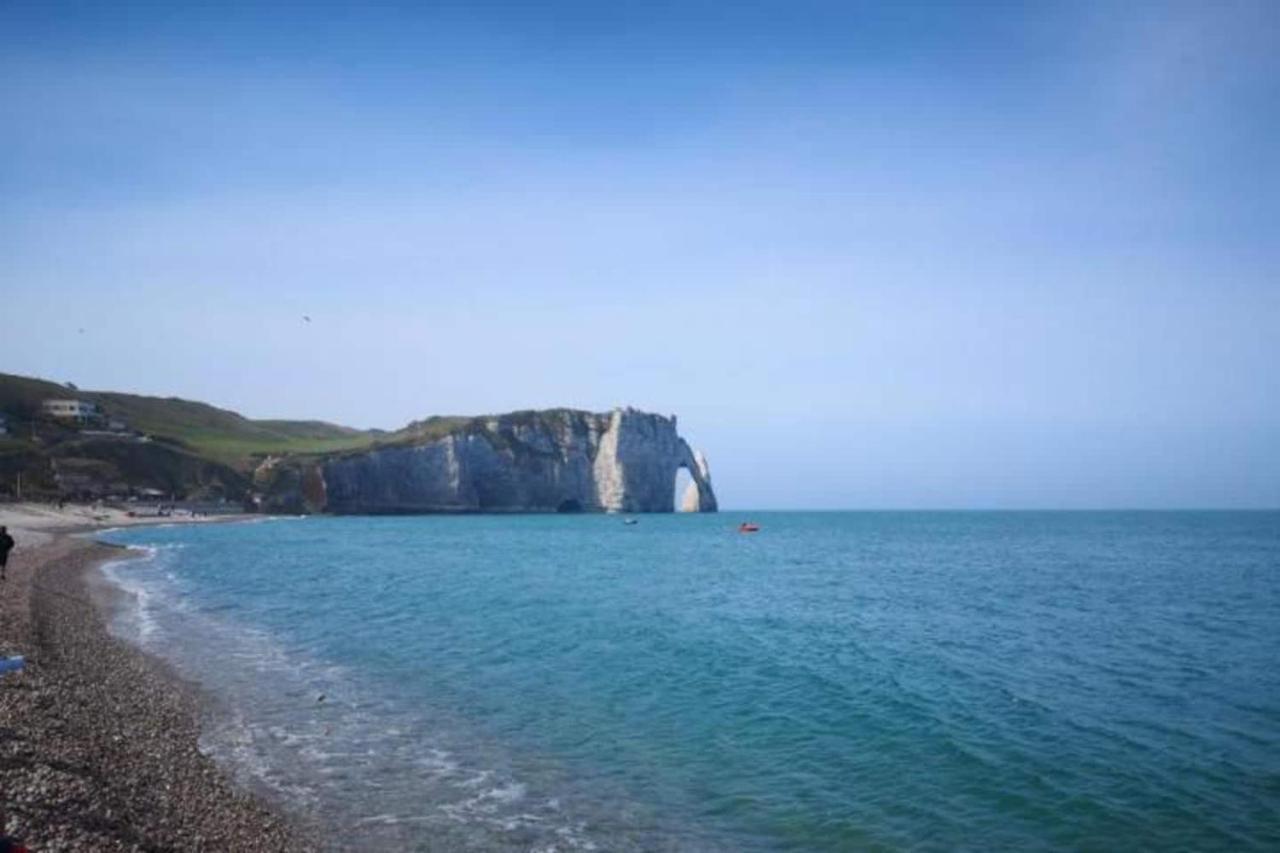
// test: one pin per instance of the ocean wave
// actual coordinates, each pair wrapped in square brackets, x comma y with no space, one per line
[849,682]
[309,733]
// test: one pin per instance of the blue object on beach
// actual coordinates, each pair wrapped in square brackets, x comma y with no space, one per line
[13,664]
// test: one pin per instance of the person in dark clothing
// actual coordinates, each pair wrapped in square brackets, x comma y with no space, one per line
[6,545]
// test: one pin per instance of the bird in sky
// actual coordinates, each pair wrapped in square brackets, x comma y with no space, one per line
[306,317]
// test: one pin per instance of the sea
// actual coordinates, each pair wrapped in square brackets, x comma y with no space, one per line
[838,681]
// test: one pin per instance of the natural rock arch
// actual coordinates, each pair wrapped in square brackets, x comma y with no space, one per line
[635,466]
[698,496]
[557,460]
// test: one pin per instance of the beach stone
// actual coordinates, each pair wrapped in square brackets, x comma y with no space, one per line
[100,743]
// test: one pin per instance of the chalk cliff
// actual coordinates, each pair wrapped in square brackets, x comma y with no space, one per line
[560,460]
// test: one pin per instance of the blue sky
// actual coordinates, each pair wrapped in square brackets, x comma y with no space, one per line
[873,255]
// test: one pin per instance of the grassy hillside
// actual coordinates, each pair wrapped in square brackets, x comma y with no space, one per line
[195,449]
[154,465]
[219,434]
[20,396]
[225,434]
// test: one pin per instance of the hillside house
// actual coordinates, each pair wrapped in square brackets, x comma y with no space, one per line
[73,410]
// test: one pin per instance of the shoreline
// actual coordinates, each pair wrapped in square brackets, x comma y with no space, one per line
[99,740]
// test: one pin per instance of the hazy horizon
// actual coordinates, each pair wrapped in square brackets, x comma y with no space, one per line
[872,256]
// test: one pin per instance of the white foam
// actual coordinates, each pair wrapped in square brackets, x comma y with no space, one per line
[142,617]
[274,735]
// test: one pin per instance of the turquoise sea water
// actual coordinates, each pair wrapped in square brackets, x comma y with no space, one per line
[839,681]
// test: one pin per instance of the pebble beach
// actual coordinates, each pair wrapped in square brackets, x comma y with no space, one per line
[99,743]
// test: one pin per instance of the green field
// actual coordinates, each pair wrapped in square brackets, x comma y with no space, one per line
[218,434]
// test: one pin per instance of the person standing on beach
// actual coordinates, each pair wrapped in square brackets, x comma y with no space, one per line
[6,545]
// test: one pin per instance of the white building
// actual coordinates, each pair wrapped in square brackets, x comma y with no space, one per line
[78,410]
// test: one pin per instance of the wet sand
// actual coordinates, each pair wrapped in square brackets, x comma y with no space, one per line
[99,741]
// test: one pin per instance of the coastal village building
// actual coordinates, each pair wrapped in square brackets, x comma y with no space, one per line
[77,410]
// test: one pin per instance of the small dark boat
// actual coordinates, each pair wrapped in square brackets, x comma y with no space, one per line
[630,521]
[748,527]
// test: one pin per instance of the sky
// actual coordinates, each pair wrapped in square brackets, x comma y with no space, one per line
[873,255]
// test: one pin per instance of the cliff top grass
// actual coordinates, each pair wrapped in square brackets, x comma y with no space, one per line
[439,426]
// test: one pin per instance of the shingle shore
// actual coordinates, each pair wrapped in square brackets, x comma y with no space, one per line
[98,741]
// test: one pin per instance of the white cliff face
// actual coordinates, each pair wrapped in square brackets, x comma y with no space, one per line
[610,490]
[622,461]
